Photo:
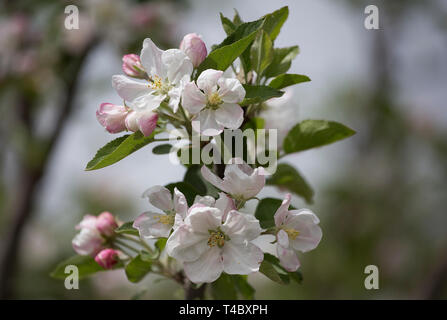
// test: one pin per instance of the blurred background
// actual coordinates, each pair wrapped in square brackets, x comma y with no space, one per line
[381,196]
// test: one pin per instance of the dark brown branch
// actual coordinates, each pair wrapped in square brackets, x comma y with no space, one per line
[31,176]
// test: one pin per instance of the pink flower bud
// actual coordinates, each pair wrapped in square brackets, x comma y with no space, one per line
[106,224]
[194,47]
[107,258]
[132,66]
[88,242]
[145,121]
[112,117]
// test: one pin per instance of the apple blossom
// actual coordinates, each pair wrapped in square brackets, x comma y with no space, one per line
[298,230]
[194,47]
[112,117]
[155,224]
[144,121]
[167,72]
[214,102]
[88,242]
[210,242]
[107,258]
[240,180]
[132,66]
[106,224]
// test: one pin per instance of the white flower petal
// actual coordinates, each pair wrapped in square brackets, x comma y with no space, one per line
[241,227]
[209,176]
[231,90]
[288,258]
[149,225]
[203,219]
[207,268]
[205,123]
[129,89]
[177,65]
[282,212]
[180,203]
[225,204]
[207,201]
[230,115]
[241,258]
[283,238]
[207,80]
[151,59]
[242,185]
[306,223]
[159,197]
[185,245]
[193,99]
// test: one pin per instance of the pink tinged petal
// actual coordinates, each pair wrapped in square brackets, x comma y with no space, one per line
[147,122]
[180,203]
[282,212]
[288,258]
[194,47]
[160,197]
[88,221]
[306,223]
[206,124]
[207,268]
[177,65]
[283,239]
[239,184]
[129,89]
[207,201]
[225,204]
[231,90]
[106,224]
[265,243]
[185,245]
[151,59]
[132,66]
[112,117]
[193,100]
[241,227]
[149,226]
[203,219]
[131,121]
[207,81]
[230,115]
[244,258]
[107,258]
[87,242]
[209,176]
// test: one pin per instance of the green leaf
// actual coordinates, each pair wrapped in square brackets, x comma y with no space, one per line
[282,60]
[223,288]
[288,177]
[242,285]
[288,79]
[86,266]
[261,52]
[118,149]
[222,57]
[160,244]
[310,134]
[270,272]
[127,228]
[274,21]
[187,189]
[194,177]
[237,19]
[265,210]
[227,24]
[257,94]
[162,149]
[137,268]
[295,276]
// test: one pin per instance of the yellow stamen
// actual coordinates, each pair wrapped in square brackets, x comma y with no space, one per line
[292,233]
[167,219]
[155,83]
[214,99]
[216,238]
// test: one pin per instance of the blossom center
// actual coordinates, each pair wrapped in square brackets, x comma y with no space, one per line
[214,100]
[292,233]
[167,219]
[157,84]
[217,238]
